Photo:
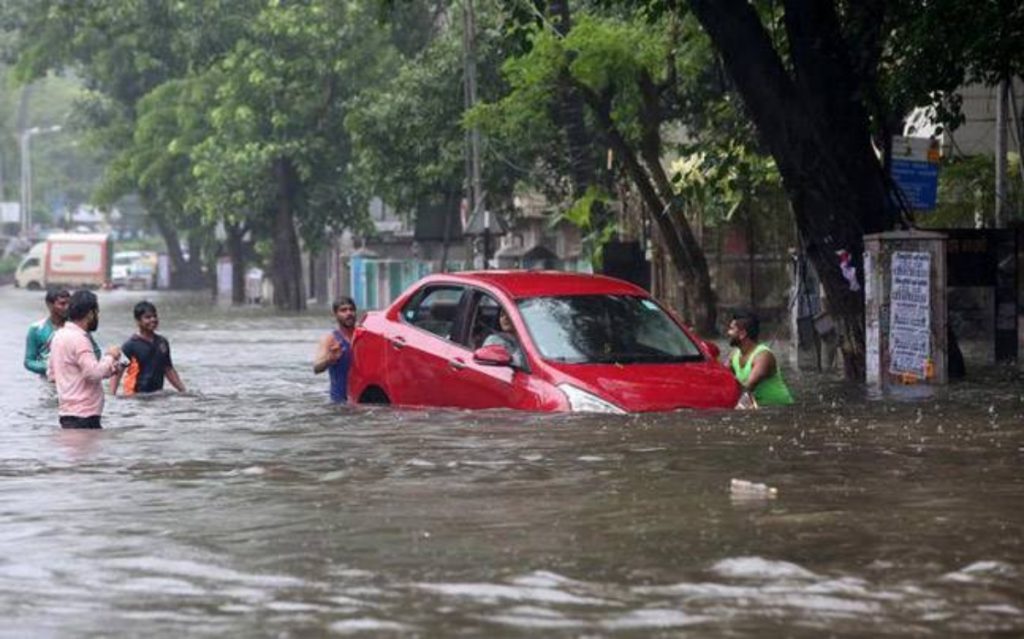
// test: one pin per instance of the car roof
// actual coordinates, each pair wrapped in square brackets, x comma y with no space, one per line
[520,284]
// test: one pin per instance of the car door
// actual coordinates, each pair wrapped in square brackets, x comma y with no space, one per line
[421,346]
[476,385]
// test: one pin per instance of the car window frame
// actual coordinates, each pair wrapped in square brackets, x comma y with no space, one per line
[459,309]
[474,293]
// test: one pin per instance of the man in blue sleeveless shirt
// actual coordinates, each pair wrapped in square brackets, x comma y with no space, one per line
[334,353]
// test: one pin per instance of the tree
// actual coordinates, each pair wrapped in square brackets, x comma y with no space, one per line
[812,118]
[279,147]
[408,132]
[124,50]
[633,78]
[818,80]
[170,121]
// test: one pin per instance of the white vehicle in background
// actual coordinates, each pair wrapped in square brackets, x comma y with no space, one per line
[66,259]
[133,269]
[122,267]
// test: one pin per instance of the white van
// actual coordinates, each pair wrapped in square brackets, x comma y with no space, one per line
[66,259]
[31,273]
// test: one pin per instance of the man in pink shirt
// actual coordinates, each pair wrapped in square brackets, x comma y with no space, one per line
[73,365]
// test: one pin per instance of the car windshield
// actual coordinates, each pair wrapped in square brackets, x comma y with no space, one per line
[605,329]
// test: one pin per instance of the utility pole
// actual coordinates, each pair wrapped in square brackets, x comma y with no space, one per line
[473,135]
[1002,103]
[26,174]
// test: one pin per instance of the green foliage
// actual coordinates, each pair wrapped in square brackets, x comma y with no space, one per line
[150,243]
[595,231]
[409,147]
[409,133]
[934,47]
[282,95]
[170,122]
[607,55]
[125,51]
[64,168]
[716,181]
[8,265]
[611,56]
[967,193]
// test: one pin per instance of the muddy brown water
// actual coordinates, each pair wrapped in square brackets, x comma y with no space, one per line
[251,507]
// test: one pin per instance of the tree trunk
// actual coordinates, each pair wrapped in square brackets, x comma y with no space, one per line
[185,274]
[816,128]
[286,263]
[701,308]
[580,148]
[236,252]
[656,192]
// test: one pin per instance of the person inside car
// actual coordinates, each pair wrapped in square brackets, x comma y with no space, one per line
[507,337]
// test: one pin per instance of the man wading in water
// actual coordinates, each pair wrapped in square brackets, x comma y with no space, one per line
[334,353]
[149,357]
[73,365]
[754,364]
[37,344]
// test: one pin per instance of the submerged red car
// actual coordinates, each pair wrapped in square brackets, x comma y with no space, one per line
[534,340]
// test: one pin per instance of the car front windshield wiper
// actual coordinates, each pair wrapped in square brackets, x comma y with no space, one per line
[562,359]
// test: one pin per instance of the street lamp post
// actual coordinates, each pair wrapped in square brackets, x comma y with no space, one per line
[26,174]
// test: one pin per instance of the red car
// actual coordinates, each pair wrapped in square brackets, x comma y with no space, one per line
[567,342]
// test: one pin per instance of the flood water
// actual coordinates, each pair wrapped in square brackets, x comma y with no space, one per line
[249,507]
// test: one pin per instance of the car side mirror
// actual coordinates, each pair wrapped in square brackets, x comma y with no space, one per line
[713,349]
[493,355]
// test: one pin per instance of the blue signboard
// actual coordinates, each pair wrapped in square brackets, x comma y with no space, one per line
[919,182]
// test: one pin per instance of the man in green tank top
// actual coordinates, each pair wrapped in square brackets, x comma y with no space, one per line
[754,364]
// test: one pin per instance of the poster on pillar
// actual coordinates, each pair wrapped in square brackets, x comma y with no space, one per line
[910,314]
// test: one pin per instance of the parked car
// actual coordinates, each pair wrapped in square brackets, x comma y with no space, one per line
[133,269]
[587,342]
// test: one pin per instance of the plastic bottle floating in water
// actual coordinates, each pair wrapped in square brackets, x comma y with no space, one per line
[752,490]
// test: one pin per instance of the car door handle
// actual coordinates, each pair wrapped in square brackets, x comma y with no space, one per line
[456,364]
[398,342]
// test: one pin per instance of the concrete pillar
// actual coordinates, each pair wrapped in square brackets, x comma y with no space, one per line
[905,308]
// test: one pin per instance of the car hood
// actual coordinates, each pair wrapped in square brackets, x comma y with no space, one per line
[656,387]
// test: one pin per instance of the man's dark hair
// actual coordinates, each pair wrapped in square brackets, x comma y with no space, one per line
[55,294]
[343,301]
[81,304]
[142,308]
[749,322]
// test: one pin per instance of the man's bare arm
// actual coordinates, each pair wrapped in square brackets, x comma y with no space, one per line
[174,379]
[325,355]
[763,368]
[115,380]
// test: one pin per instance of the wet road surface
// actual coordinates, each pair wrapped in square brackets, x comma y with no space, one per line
[250,507]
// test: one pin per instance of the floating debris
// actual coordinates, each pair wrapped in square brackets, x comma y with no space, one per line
[744,489]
